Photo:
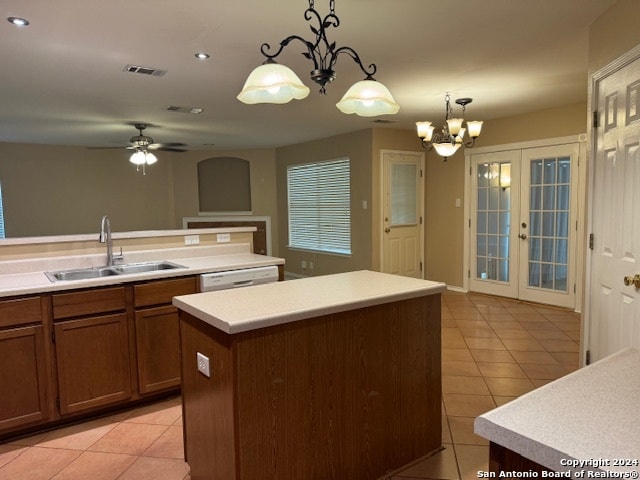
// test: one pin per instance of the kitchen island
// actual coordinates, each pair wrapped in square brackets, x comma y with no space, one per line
[583,425]
[332,377]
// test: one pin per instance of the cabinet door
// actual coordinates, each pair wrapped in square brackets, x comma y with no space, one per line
[93,362]
[23,379]
[158,349]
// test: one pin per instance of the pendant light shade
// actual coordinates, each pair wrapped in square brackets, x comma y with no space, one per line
[446,150]
[272,83]
[368,98]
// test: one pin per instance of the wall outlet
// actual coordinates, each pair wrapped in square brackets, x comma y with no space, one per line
[191,239]
[303,264]
[203,364]
[223,237]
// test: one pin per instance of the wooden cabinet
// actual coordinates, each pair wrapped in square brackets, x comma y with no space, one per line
[24,365]
[92,348]
[158,334]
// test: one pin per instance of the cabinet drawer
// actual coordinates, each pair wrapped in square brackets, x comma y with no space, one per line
[88,302]
[20,312]
[162,291]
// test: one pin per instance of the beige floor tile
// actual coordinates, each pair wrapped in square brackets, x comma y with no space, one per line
[464,384]
[462,432]
[499,369]
[10,452]
[457,355]
[534,357]
[452,338]
[543,372]
[561,346]
[486,332]
[485,344]
[80,436]
[129,438]
[566,359]
[96,466]
[164,413]
[38,464]
[442,465]
[509,387]
[513,333]
[459,405]
[504,400]
[519,344]
[500,356]
[146,468]
[453,367]
[471,460]
[473,324]
[168,445]
[506,323]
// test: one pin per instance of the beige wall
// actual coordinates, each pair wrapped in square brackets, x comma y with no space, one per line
[52,190]
[263,184]
[614,33]
[356,146]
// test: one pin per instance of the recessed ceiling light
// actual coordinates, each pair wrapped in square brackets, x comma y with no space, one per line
[202,55]
[17,21]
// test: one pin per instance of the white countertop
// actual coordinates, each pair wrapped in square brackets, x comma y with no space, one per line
[243,309]
[32,279]
[590,414]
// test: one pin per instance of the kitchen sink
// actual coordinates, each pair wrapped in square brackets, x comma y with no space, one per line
[146,267]
[99,272]
[81,274]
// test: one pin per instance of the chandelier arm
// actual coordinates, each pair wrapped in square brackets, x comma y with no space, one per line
[270,57]
[356,58]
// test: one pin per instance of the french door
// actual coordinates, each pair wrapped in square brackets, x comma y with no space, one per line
[523,224]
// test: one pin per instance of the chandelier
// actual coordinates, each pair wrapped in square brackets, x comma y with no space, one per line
[272,82]
[447,141]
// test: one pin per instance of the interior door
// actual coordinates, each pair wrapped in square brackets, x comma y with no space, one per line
[402,193]
[523,223]
[495,206]
[613,315]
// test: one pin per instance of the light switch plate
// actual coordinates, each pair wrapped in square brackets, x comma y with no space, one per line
[203,364]
[223,237]
[191,239]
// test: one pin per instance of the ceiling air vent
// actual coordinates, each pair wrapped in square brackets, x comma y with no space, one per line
[384,121]
[154,72]
[192,110]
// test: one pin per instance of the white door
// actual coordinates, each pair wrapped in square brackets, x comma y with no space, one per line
[402,193]
[523,224]
[612,320]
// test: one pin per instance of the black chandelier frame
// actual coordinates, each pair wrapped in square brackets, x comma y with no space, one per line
[444,136]
[321,52]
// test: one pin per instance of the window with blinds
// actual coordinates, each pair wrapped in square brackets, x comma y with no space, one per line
[319,199]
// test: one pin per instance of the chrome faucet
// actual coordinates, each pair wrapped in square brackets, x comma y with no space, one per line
[105,237]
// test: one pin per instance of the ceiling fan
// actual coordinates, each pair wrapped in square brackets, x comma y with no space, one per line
[145,142]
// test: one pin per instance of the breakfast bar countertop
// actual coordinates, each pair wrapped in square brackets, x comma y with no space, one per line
[586,421]
[239,310]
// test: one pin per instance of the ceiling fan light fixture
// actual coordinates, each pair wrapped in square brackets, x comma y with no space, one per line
[272,83]
[368,98]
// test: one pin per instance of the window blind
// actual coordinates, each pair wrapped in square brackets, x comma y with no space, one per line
[319,200]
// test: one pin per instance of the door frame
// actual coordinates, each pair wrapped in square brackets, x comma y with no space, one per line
[592,103]
[421,194]
[580,216]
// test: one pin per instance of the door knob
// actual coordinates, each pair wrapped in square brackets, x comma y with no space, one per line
[635,280]
[387,230]
[523,236]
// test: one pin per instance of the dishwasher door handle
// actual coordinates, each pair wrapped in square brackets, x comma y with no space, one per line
[243,283]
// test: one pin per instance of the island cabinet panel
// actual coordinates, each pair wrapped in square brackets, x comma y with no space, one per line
[158,333]
[351,395]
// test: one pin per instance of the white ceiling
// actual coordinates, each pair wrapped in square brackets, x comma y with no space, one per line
[62,78]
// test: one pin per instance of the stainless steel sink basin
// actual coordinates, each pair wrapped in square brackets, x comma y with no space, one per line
[81,274]
[99,272]
[146,267]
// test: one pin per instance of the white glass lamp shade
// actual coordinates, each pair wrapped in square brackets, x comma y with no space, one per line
[446,149]
[272,83]
[138,158]
[150,158]
[455,124]
[460,135]
[425,130]
[368,98]
[474,129]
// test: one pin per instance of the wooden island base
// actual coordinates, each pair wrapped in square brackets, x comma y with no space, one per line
[350,395]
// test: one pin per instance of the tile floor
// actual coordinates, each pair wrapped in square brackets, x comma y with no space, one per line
[493,350]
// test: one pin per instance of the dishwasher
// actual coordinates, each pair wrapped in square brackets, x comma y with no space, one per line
[238,278]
